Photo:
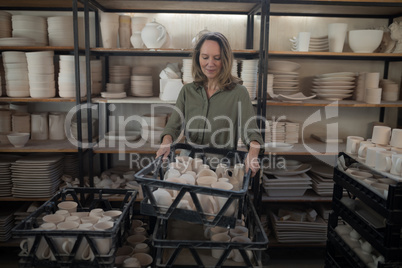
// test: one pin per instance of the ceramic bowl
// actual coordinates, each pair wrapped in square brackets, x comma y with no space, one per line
[365,41]
[18,139]
[286,66]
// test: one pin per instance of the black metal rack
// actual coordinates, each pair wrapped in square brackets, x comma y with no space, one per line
[386,240]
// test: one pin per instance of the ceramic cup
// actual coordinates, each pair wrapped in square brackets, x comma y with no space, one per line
[372,154]
[238,231]
[381,135]
[372,80]
[383,160]
[141,248]
[70,206]
[303,41]
[336,36]
[396,138]
[39,126]
[103,244]
[222,200]
[237,257]
[396,167]
[222,238]
[211,231]
[144,259]
[363,148]
[131,262]
[53,218]
[352,144]
[133,240]
[206,181]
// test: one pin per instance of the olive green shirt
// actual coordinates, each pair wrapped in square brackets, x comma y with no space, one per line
[215,122]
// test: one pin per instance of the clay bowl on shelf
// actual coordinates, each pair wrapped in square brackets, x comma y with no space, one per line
[18,139]
[365,41]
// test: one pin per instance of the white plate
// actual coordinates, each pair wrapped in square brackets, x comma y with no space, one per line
[295,97]
[332,91]
[333,96]
[282,72]
[283,172]
[336,78]
[338,74]
[278,146]
[334,83]
[112,95]
[128,135]
[334,87]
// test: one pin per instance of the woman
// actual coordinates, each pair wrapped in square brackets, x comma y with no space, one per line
[215,109]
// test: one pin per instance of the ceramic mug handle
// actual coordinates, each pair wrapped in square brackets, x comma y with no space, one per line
[163,32]
[24,247]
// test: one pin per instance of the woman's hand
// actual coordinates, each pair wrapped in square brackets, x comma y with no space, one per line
[164,149]
[251,161]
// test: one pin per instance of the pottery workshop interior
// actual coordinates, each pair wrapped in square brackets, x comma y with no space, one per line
[201,133]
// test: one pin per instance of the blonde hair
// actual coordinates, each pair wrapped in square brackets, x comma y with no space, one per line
[225,78]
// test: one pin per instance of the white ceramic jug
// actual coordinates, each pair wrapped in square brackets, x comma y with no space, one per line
[154,35]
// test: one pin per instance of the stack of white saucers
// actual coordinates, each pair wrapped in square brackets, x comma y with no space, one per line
[334,86]
[287,185]
[61,31]
[186,71]
[249,75]
[141,85]
[7,219]
[120,74]
[114,87]
[286,77]
[318,44]
[322,176]
[5,121]
[66,79]
[16,73]
[5,24]
[5,174]
[41,74]
[37,175]
[33,27]
[96,76]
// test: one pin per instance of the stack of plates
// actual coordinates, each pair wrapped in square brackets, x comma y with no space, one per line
[334,86]
[16,73]
[5,174]
[66,79]
[318,44]
[96,76]
[41,74]
[141,86]
[5,24]
[282,131]
[287,185]
[33,27]
[6,224]
[17,41]
[292,231]
[61,31]
[71,165]
[120,74]
[36,175]
[286,77]
[186,71]
[249,75]
[321,185]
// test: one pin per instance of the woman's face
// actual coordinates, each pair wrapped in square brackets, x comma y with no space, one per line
[210,59]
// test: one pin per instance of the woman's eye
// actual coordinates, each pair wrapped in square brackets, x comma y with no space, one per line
[218,58]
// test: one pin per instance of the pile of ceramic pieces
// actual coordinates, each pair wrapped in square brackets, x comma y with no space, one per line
[249,75]
[96,76]
[33,27]
[66,79]
[186,71]
[16,73]
[61,31]
[120,74]
[41,74]
[5,24]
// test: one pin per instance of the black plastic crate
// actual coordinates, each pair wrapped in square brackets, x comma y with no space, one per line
[151,178]
[390,208]
[172,250]
[89,198]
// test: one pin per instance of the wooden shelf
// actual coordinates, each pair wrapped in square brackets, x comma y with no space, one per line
[37,48]
[56,99]
[312,147]
[63,146]
[179,52]
[341,103]
[309,196]
[138,100]
[38,4]
[338,55]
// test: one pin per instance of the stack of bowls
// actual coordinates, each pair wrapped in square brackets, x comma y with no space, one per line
[61,31]
[286,77]
[186,71]
[141,85]
[114,87]
[152,126]
[16,74]
[33,27]
[5,24]
[41,74]
[390,90]
[249,70]
[67,86]
[96,76]
[120,74]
